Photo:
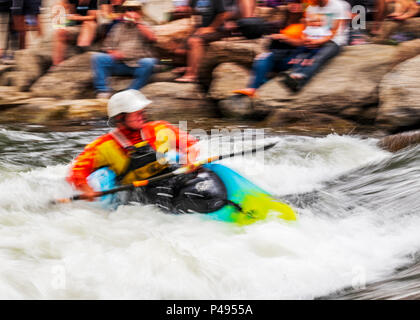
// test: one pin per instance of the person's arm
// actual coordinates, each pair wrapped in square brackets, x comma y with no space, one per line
[292,41]
[111,43]
[412,10]
[90,17]
[86,163]
[146,32]
[319,42]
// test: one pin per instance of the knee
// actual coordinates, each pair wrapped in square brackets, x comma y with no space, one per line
[148,63]
[101,58]
[195,42]
[61,35]
[261,59]
[89,24]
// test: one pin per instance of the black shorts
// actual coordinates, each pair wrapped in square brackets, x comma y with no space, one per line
[26,7]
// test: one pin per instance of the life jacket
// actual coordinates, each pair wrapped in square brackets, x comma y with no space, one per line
[142,159]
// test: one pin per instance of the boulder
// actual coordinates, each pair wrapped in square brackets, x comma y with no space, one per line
[157,10]
[389,28]
[226,78]
[10,97]
[400,141]
[241,52]
[406,50]
[174,101]
[302,121]
[31,64]
[51,112]
[400,97]
[171,35]
[72,79]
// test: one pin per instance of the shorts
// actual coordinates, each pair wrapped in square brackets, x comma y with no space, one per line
[209,37]
[26,7]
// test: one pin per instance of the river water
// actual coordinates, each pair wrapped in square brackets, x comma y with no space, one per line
[356,236]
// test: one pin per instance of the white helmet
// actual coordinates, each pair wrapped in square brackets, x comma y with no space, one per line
[126,102]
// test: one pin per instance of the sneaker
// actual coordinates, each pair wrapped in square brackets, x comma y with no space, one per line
[103,95]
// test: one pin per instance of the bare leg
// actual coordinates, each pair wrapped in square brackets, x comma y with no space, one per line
[87,34]
[379,16]
[411,11]
[40,31]
[195,55]
[19,26]
[59,46]
[247,8]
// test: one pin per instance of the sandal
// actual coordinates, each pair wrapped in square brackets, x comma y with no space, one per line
[185,79]
[179,70]
[250,92]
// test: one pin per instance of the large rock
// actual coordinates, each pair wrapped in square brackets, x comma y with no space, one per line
[304,122]
[72,79]
[406,50]
[172,34]
[241,52]
[31,65]
[157,10]
[400,97]
[400,141]
[347,86]
[226,78]
[174,101]
[51,112]
[389,28]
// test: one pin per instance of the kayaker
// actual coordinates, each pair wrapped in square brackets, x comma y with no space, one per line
[136,150]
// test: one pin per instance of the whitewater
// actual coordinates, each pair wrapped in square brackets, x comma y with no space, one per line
[358,210]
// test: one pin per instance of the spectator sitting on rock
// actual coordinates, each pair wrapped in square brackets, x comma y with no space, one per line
[281,50]
[129,52]
[398,10]
[316,28]
[209,17]
[337,13]
[80,22]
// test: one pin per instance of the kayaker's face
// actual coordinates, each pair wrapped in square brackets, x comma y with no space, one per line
[134,120]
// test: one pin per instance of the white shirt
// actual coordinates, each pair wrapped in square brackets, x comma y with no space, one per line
[335,10]
[317,32]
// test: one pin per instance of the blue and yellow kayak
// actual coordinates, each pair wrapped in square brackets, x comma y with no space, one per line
[255,203]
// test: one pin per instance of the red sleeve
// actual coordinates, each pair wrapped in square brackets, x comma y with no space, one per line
[85,163]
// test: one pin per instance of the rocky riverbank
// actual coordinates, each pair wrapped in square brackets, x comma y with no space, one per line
[372,89]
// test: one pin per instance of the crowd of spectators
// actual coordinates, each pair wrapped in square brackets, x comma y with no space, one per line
[312,32]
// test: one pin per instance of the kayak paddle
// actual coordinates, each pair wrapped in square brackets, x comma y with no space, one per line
[183,170]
